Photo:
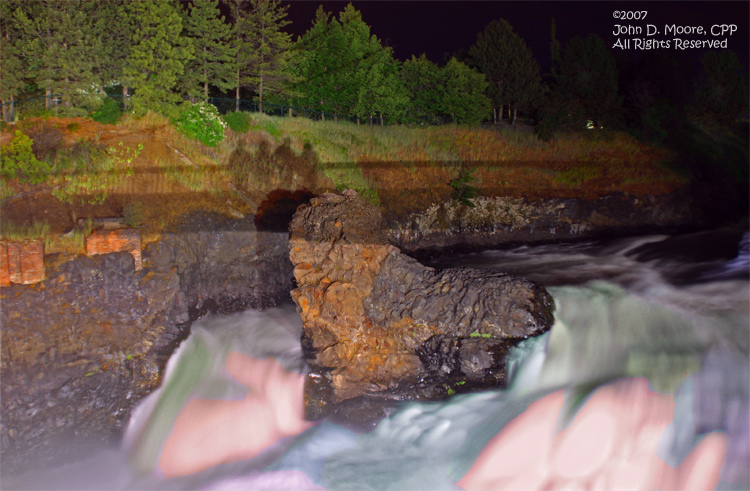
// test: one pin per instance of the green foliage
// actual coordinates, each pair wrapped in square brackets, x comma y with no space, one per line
[589,77]
[132,214]
[108,113]
[17,160]
[203,123]
[265,48]
[91,170]
[463,191]
[421,79]
[463,93]
[214,56]
[59,43]
[37,230]
[73,127]
[239,122]
[157,56]
[510,67]
[345,70]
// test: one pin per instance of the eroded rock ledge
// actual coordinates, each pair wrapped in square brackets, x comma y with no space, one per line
[378,324]
[80,349]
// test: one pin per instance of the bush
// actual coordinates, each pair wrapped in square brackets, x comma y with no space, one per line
[108,113]
[463,191]
[17,160]
[202,121]
[238,122]
[46,139]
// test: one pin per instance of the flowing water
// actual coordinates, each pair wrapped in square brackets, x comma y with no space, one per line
[672,309]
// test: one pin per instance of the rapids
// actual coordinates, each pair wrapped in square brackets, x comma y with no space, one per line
[673,309]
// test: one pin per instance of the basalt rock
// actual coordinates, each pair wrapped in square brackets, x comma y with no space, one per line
[380,325]
[80,349]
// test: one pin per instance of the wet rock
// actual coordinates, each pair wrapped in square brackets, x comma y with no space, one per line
[380,325]
[451,225]
[81,349]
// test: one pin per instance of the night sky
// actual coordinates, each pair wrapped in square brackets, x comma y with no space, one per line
[440,27]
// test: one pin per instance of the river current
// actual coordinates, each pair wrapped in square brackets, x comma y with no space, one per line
[673,309]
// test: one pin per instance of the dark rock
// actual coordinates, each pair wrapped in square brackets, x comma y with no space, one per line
[81,349]
[380,327]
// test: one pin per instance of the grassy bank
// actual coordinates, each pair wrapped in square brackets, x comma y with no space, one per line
[146,170]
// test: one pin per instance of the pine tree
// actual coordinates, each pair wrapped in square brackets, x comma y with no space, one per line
[158,54]
[588,79]
[269,47]
[214,55]
[113,26]
[12,67]
[58,38]
[509,66]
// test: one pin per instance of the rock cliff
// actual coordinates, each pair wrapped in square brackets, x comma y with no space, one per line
[80,349]
[380,324]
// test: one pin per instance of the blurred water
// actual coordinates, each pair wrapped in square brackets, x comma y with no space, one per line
[644,306]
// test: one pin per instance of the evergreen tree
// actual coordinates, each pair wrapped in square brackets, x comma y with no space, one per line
[158,54]
[588,76]
[340,65]
[421,79]
[510,67]
[58,38]
[268,47]
[214,55]
[12,67]
[463,93]
[113,26]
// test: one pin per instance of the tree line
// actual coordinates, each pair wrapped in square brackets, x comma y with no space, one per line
[167,51]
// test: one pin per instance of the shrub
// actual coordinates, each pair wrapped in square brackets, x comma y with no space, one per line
[202,122]
[238,122]
[46,139]
[17,160]
[464,192]
[73,127]
[108,113]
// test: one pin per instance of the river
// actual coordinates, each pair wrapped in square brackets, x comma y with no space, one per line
[673,309]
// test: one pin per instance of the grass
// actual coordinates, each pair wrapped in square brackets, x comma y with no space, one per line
[403,169]
[10,231]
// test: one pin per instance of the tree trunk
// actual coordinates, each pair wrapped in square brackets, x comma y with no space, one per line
[515,115]
[382,123]
[124,98]
[260,91]
[48,99]
[494,115]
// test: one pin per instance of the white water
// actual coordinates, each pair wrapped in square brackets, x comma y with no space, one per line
[617,315]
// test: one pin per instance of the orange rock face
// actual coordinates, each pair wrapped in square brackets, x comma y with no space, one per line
[377,323]
[105,241]
[335,267]
[21,262]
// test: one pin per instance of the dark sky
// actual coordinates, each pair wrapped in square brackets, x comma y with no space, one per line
[439,27]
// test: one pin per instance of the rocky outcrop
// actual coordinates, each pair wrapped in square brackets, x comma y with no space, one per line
[503,220]
[80,349]
[106,241]
[21,262]
[380,324]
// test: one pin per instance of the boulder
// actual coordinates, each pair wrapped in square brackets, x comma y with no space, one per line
[378,324]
